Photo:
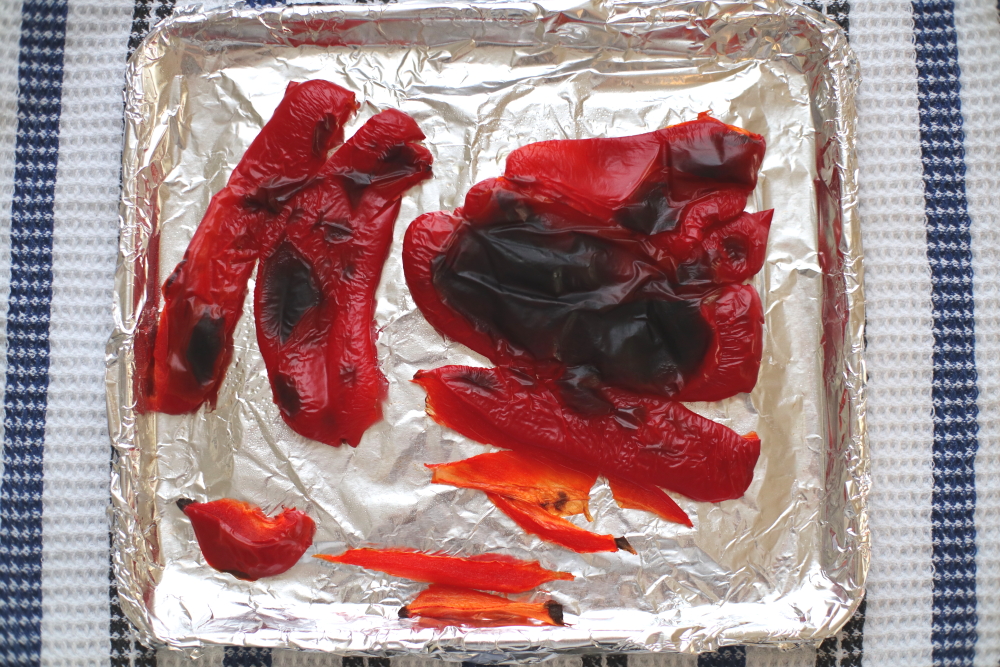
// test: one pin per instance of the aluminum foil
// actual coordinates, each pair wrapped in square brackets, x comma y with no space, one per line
[785,564]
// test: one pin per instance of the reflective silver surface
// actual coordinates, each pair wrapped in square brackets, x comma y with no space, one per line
[784,564]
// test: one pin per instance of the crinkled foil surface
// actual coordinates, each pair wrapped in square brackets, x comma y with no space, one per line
[785,564]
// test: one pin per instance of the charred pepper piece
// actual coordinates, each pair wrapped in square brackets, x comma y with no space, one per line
[491,572]
[552,487]
[555,529]
[314,299]
[643,182]
[650,442]
[239,539]
[458,606]
[185,349]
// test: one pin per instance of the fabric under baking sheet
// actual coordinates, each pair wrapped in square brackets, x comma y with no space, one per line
[929,125]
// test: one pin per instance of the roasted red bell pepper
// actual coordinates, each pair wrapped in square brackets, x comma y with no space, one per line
[553,528]
[643,182]
[457,606]
[314,302]
[238,538]
[185,354]
[647,441]
[491,572]
[554,488]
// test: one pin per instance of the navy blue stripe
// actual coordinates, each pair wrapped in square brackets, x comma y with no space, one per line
[727,656]
[238,656]
[39,96]
[144,17]
[838,10]
[954,393]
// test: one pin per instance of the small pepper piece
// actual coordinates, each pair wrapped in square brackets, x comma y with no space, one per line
[631,496]
[314,303]
[239,539]
[491,572]
[555,529]
[185,349]
[555,488]
[648,441]
[457,606]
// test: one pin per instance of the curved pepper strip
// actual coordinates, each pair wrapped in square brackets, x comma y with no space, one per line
[650,442]
[631,496]
[457,606]
[552,487]
[555,529]
[642,182]
[491,572]
[239,539]
[314,302]
[185,354]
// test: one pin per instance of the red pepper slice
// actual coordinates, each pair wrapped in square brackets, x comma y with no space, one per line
[642,182]
[552,487]
[491,572]
[457,606]
[555,529]
[314,300]
[732,362]
[239,539]
[633,496]
[647,441]
[186,353]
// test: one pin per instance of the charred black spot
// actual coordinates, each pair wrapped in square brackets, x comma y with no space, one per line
[404,612]
[286,395]
[480,377]
[205,346]
[649,214]
[289,291]
[736,248]
[337,232]
[623,545]
[355,183]
[239,575]
[323,134]
[576,299]
[182,503]
[555,611]
[560,504]
[581,392]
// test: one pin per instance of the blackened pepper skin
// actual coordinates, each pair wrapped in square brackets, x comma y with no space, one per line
[314,299]
[183,350]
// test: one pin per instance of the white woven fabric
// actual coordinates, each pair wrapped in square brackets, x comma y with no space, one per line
[74,528]
[979,56]
[897,293]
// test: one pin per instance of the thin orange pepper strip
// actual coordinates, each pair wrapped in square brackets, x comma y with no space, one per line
[465,607]
[491,572]
[556,489]
[556,529]
[632,496]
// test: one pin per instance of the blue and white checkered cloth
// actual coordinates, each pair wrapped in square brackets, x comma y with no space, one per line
[929,131]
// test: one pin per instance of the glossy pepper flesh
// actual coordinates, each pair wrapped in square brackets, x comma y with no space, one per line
[238,538]
[554,488]
[491,572]
[184,349]
[314,299]
[649,442]
[553,528]
[457,606]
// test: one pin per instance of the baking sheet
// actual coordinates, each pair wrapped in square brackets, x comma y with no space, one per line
[784,564]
